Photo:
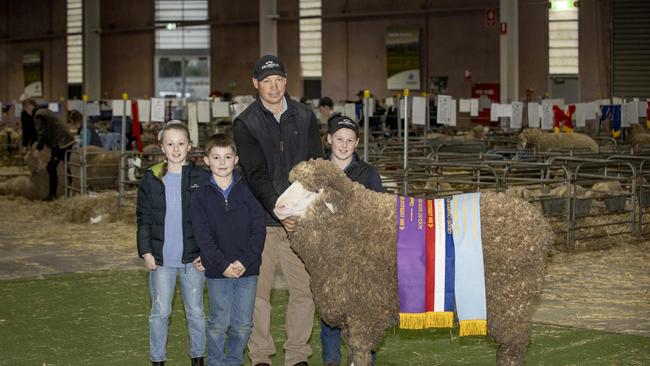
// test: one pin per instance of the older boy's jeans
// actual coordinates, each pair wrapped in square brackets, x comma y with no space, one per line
[232,301]
[162,283]
[330,338]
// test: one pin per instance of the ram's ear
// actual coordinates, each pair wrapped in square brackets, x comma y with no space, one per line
[330,207]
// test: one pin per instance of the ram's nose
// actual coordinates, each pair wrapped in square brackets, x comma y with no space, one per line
[280,210]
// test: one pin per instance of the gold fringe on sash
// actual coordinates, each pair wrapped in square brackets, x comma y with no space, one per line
[442,319]
[473,327]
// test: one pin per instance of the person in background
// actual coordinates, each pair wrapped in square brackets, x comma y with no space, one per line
[75,120]
[343,136]
[273,135]
[166,242]
[229,228]
[325,109]
[27,125]
[53,133]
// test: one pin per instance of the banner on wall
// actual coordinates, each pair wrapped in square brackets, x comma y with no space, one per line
[33,73]
[403,58]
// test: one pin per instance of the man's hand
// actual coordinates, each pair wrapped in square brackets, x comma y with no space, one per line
[231,271]
[198,265]
[289,223]
[149,262]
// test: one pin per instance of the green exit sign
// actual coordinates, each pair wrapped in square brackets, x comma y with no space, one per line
[560,5]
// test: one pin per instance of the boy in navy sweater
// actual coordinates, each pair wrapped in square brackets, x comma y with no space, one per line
[229,228]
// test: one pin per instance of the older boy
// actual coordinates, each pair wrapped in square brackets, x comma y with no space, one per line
[343,136]
[229,227]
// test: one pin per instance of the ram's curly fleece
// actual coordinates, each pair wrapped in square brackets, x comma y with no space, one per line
[351,256]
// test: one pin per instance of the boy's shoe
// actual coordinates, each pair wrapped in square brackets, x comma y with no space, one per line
[197,361]
[302,363]
[262,364]
[157,363]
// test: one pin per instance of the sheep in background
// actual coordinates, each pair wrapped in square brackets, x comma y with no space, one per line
[9,140]
[478,133]
[347,238]
[639,136]
[545,141]
[36,185]
[101,163]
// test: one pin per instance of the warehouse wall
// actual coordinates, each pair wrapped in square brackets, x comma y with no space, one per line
[457,39]
[127,48]
[27,25]
[454,37]
[236,44]
[595,77]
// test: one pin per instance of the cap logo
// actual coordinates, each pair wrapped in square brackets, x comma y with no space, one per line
[270,65]
[347,122]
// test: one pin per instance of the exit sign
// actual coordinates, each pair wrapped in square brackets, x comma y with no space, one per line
[560,5]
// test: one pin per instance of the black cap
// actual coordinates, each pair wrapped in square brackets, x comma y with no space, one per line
[326,102]
[338,122]
[268,65]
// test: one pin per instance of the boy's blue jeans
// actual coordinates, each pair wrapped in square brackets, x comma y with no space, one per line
[330,339]
[162,283]
[230,324]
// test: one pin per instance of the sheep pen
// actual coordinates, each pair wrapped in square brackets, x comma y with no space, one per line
[351,231]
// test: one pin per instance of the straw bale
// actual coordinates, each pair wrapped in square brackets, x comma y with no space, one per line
[36,242]
[96,208]
[520,192]
[605,288]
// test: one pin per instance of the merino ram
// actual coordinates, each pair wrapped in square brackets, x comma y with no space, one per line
[346,237]
[545,141]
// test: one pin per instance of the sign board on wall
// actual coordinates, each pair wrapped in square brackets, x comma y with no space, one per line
[490,17]
[486,93]
[33,73]
[403,58]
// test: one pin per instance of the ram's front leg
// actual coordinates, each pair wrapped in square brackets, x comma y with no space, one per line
[358,346]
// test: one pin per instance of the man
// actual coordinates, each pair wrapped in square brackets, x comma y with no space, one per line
[273,135]
[53,133]
[27,124]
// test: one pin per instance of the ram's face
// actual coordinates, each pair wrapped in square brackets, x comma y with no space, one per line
[295,201]
[524,138]
[523,141]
